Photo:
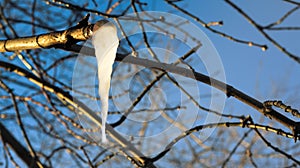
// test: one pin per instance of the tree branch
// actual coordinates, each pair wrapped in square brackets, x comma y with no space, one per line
[129,150]
[18,148]
[227,89]
[67,37]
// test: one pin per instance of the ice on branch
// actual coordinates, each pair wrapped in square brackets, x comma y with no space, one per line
[105,41]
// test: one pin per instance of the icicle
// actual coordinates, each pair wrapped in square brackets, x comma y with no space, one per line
[105,41]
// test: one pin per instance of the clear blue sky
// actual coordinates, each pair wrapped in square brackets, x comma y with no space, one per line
[247,68]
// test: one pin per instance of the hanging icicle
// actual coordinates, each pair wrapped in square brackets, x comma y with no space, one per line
[106,42]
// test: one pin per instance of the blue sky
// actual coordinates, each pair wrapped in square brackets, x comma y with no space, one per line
[250,69]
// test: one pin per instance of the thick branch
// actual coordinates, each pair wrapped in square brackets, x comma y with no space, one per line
[48,40]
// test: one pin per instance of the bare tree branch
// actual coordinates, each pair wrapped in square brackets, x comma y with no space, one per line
[18,148]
